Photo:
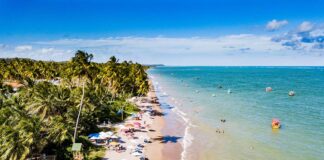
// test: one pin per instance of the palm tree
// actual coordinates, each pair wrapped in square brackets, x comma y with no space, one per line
[59,130]
[20,134]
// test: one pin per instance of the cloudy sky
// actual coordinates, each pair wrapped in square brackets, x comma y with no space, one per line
[191,32]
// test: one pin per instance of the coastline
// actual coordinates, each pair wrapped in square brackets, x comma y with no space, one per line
[154,149]
[165,139]
[159,150]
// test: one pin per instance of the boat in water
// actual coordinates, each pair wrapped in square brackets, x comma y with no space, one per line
[291,93]
[275,124]
[229,91]
[268,89]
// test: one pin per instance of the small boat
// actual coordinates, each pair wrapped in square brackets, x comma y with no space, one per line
[291,93]
[275,124]
[229,91]
[268,89]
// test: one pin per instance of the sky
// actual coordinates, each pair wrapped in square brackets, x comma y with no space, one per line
[171,32]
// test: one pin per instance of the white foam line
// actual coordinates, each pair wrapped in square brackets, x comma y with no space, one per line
[187,138]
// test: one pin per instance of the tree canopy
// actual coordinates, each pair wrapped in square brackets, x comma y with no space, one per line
[40,116]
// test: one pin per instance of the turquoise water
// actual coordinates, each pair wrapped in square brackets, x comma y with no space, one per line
[248,111]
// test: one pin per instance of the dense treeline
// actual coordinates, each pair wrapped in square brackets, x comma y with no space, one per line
[40,117]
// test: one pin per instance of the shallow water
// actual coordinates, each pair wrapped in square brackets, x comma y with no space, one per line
[248,111]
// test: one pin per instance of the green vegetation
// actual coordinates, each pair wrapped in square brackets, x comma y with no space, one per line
[40,117]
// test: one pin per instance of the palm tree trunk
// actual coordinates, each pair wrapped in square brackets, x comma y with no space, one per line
[77,121]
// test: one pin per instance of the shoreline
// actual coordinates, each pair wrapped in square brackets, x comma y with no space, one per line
[162,146]
[154,149]
[167,128]
[165,149]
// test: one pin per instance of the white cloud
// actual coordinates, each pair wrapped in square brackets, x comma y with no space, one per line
[47,50]
[37,53]
[307,39]
[305,26]
[160,45]
[275,25]
[241,49]
[23,48]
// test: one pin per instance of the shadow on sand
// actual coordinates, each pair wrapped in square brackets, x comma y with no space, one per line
[157,113]
[167,139]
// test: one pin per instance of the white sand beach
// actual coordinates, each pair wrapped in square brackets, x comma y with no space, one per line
[151,125]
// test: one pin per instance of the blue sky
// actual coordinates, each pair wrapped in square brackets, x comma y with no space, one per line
[204,32]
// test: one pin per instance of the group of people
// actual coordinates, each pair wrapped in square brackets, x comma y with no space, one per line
[118,148]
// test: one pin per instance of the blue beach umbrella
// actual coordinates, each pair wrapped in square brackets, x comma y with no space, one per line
[120,111]
[93,135]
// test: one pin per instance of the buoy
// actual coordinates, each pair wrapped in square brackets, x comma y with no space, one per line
[268,89]
[275,123]
[291,93]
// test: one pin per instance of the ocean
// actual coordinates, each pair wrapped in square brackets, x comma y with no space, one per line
[237,125]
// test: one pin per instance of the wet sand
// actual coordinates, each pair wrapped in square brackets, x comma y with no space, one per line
[166,145]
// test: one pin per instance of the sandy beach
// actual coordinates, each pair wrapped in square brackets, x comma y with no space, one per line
[160,147]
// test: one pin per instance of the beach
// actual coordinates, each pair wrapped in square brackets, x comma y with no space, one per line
[160,148]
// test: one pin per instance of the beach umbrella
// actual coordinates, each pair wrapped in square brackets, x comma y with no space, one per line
[134,115]
[109,133]
[129,125]
[93,138]
[120,112]
[146,104]
[121,125]
[93,135]
[113,143]
[136,154]
[114,137]
[133,141]
[103,135]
